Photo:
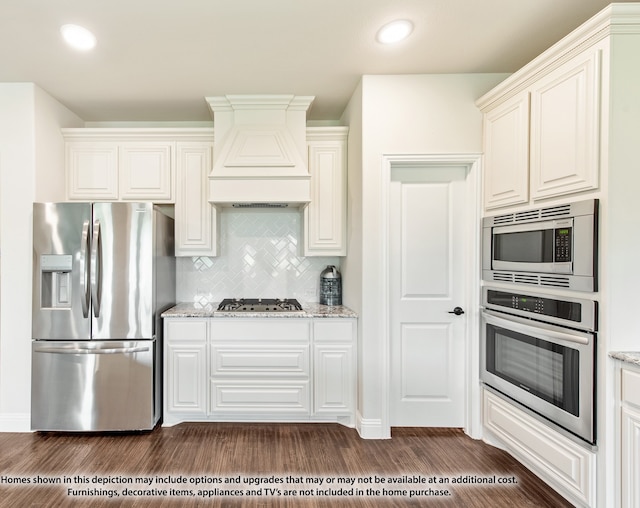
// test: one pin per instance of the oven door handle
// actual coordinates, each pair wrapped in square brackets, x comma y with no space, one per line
[523,325]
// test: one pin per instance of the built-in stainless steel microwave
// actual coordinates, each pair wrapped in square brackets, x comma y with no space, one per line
[555,246]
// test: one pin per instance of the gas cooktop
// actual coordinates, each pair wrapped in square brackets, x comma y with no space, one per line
[260,305]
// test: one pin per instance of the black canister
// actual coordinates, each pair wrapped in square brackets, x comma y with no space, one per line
[330,286]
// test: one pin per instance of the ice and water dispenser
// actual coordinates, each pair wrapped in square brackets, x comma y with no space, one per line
[55,277]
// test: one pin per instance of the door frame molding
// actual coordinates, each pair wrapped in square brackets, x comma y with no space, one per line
[472,217]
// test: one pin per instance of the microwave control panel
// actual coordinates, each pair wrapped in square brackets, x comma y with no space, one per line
[562,245]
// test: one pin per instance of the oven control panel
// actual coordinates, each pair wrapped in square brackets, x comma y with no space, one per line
[562,309]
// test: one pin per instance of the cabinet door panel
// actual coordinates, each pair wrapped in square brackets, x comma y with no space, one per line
[195,216]
[92,171]
[565,128]
[506,153]
[334,380]
[325,217]
[186,372]
[145,171]
[630,457]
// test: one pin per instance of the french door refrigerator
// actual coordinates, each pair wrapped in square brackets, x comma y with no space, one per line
[102,275]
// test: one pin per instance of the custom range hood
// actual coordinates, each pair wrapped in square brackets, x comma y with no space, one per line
[260,151]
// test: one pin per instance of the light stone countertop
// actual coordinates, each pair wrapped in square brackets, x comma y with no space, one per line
[632,357]
[310,310]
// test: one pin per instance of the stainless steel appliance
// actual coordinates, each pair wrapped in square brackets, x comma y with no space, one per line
[102,275]
[554,246]
[540,352]
[330,286]
[259,305]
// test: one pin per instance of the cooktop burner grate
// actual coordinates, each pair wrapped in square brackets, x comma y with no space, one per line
[259,305]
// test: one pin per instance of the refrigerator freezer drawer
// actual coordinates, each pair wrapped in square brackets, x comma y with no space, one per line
[93,386]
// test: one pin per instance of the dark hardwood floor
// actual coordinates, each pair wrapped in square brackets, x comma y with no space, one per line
[217,455]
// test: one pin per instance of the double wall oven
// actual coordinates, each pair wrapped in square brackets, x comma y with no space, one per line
[539,348]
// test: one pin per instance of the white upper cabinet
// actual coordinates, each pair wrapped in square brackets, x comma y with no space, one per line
[506,148]
[145,171]
[565,128]
[325,217]
[125,164]
[92,170]
[105,165]
[196,218]
[174,165]
[157,164]
[542,129]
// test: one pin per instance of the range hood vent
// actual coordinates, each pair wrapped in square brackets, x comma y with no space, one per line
[260,205]
[260,153]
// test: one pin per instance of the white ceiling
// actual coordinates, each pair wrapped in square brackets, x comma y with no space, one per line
[156,60]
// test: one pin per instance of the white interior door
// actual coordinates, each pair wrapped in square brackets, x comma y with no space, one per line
[427,282]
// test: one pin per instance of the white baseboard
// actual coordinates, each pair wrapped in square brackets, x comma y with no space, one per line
[371,428]
[15,422]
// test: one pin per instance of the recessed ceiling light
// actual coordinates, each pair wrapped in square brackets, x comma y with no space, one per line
[78,37]
[394,31]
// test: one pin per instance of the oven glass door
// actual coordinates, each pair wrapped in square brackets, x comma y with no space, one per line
[547,370]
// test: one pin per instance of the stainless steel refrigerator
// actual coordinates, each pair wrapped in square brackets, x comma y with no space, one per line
[102,275]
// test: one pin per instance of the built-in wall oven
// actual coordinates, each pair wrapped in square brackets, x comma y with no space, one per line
[540,351]
[553,246]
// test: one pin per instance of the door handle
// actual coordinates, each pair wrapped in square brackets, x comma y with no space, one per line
[91,351]
[96,269]
[457,311]
[84,269]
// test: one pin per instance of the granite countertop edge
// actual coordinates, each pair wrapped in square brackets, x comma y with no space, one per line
[632,357]
[310,310]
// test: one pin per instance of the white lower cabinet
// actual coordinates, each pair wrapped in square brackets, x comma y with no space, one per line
[259,367]
[273,369]
[185,365]
[334,367]
[565,465]
[630,438]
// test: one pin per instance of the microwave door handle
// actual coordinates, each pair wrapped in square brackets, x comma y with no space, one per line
[84,268]
[96,269]
[519,326]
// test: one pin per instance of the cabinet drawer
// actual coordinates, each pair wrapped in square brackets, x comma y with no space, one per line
[335,330]
[260,330]
[631,387]
[260,398]
[252,360]
[559,461]
[192,330]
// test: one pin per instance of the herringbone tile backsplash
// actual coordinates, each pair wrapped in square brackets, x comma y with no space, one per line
[260,256]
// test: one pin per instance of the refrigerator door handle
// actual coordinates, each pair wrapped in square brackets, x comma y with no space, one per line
[96,269]
[90,351]
[84,268]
